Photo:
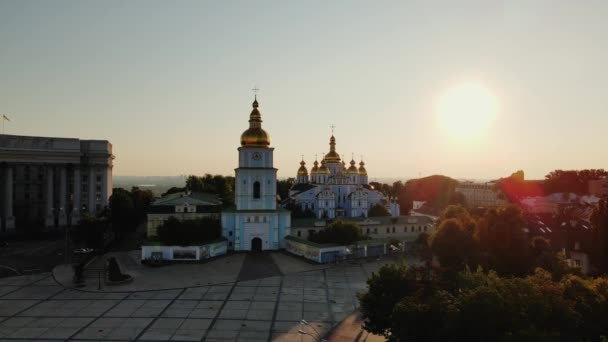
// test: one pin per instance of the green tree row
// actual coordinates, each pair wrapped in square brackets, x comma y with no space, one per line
[479,306]
[339,232]
[189,232]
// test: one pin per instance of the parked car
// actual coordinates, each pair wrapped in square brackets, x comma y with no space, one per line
[83,250]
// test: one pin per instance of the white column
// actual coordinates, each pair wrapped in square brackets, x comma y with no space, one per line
[50,218]
[63,220]
[92,190]
[9,219]
[275,243]
[76,199]
[237,233]
[104,187]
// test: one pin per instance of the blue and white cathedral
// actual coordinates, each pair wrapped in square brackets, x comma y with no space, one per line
[256,223]
[334,191]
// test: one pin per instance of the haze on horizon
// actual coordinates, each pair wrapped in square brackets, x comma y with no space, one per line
[169,83]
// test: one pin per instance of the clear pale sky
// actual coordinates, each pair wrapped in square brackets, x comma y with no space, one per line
[168,83]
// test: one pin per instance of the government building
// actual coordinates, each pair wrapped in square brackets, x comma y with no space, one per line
[52,182]
[256,223]
[332,190]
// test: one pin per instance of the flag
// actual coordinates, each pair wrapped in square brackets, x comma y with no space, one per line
[5,117]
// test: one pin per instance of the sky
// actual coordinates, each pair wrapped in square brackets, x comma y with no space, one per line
[168,83]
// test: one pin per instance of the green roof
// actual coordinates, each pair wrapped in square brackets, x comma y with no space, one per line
[193,198]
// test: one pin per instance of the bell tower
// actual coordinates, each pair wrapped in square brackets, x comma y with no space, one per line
[256,178]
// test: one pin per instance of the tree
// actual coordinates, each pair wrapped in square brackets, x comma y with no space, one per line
[283,187]
[453,245]
[173,190]
[458,198]
[576,181]
[544,257]
[502,241]
[599,220]
[377,210]
[386,288]
[339,232]
[223,186]
[459,213]
[141,202]
[428,318]
[436,191]
[92,230]
[122,211]
[189,232]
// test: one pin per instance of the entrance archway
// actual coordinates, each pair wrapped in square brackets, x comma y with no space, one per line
[256,244]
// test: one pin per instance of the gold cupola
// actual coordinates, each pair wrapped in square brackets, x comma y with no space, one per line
[362,170]
[323,168]
[315,168]
[255,136]
[302,171]
[352,169]
[332,156]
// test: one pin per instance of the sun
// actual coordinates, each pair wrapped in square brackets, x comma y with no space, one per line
[467,110]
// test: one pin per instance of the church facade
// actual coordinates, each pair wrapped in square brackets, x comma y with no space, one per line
[332,190]
[256,223]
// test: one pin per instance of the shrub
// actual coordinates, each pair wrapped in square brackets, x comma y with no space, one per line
[339,232]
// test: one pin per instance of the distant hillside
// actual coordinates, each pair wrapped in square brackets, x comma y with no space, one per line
[158,184]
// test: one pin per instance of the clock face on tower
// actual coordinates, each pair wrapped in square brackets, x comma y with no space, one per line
[256,156]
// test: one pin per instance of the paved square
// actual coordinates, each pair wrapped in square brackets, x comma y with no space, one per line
[36,307]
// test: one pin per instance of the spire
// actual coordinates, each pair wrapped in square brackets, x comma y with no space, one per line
[255,135]
[302,171]
[255,118]
[332,156]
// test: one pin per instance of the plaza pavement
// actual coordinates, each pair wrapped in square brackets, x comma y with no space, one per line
[37,307]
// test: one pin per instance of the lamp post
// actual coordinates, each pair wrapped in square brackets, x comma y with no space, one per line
[65,228]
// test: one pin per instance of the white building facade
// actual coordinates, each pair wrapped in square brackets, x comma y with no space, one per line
[487,195]
[256,223]
[51,182]
[334,191]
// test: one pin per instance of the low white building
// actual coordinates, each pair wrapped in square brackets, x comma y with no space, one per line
[487,195]
[183,206]
[404,228]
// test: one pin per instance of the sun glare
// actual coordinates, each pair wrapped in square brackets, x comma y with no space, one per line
[467,110]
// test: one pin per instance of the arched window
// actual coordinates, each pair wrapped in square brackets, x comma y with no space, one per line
[256,190]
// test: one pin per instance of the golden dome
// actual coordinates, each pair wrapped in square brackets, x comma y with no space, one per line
[255,136]
[362,170]
[315,167]
[323,168]
[302,170]
[332,156]
[352,169]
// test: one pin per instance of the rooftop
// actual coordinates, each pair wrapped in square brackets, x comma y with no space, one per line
[192,198]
